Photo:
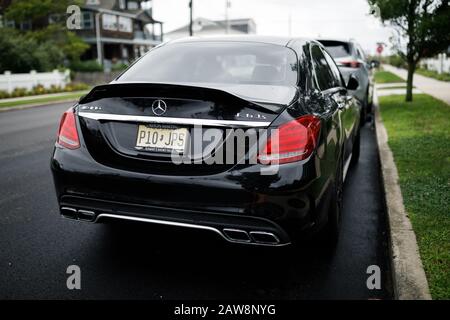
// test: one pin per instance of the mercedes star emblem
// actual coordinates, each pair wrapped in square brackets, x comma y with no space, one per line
[159,107]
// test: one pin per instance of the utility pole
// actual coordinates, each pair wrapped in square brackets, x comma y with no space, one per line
[227,21]
[98,39]
[191,31]
[290,24]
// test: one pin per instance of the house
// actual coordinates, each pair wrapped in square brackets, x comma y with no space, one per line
[118,30]
[205,27]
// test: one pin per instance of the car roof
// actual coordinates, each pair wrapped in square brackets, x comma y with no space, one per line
[275,40]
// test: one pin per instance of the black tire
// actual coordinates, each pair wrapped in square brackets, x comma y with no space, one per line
[363,116]
[335,210]
[356,149]
[366,111]
[369,103]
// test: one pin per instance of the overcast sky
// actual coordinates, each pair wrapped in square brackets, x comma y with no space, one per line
[310,18]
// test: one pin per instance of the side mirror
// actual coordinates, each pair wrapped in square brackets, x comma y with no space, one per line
[352,83]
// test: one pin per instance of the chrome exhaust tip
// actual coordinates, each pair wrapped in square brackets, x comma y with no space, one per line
[236,235]
[74,214]
[69,213]
[86,215]
[264,237]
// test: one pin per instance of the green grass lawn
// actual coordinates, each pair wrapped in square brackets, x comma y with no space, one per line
[434,74]
[419,136]
[387,77]
[42,100]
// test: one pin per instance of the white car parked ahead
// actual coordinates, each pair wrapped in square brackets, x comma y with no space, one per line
[350,59]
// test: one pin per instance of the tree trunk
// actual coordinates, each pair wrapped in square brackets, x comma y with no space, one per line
[409,81]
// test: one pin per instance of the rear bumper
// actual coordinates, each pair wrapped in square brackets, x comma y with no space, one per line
[235,228]
[240,205]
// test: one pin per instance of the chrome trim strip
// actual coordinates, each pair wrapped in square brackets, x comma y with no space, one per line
[182,224]
[171,120]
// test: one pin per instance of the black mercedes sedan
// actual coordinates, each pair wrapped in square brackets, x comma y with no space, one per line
[248,137]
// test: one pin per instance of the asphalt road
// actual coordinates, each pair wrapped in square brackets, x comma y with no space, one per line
[144,262]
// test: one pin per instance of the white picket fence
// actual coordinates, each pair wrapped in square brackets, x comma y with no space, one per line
[10,81]
[440,64]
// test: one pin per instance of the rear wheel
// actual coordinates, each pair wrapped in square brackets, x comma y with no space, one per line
[368,113]
[369,102]
[356,149]
[363,114]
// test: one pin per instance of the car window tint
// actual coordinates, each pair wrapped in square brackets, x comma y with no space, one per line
[337,49]
[216,62]
[324,75]
[335,70]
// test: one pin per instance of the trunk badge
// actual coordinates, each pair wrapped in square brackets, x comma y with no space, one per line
[159,107]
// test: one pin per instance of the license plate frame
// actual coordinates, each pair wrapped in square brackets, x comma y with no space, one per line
[161,138]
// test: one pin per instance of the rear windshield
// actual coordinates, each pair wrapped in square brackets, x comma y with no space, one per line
[215,62]
[337,49]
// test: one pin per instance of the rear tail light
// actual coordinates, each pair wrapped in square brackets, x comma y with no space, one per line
[292,141]
[67,133]
[350,64]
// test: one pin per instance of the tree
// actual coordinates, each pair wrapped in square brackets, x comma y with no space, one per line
[67,41]
[423,24]
[22,54]
[62,44]
[34,10]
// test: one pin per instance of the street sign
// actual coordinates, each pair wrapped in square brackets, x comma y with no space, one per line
[380,49]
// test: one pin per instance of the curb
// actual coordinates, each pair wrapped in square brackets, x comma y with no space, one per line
[408,275]
[28,106]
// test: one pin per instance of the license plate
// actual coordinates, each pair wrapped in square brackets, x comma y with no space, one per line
[161,139]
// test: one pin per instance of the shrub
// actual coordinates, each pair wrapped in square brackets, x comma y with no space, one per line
[40,89]
[20,53]
[19,92]
[76,86]
[397,61]
[54,89]
[80,86]
[4,94]
[433,74]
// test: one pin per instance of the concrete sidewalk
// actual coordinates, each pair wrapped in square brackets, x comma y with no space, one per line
[399,91]
[433,87]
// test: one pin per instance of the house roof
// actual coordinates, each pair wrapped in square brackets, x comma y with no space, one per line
[104,4]
[146,16]
[213,24]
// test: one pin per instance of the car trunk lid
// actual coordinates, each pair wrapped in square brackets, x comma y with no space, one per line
[112,117]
